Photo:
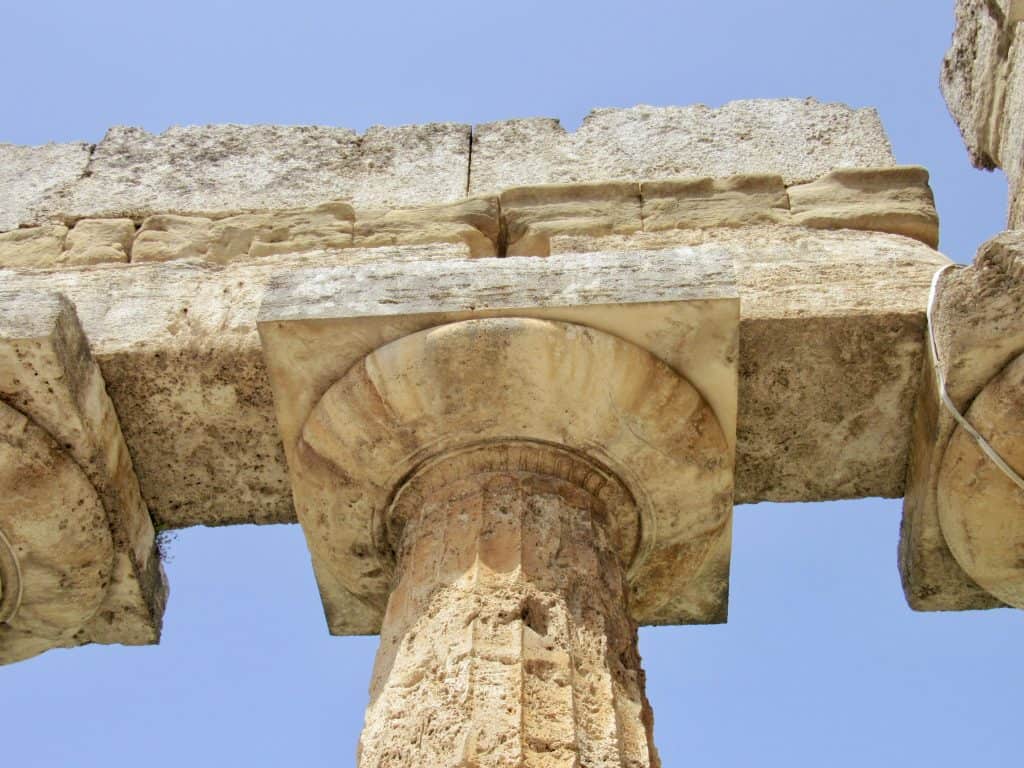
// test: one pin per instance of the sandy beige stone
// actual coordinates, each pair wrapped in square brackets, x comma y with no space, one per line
[166,237]
[979,332]
[257,235]
[515,643]
[799,140]
[182,360]
[533,214]
[474,222]
[29,175]
[444,379]
[99,241]
[983,83]
[85,515]
[223,169]
[33,247]
[704,203]
[896,200]
[980,509]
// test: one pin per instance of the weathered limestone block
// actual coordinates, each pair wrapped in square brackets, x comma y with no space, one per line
[166,237]
[250,235]
[225,169]
[831,344]
[507,639]
[29,175]
[962,530]
[412,374]
[256,235]
[799,140]
[983,82]
[474,222]
[736,201]
[99,241]
[178,347]
[77,556]
[897,200]
[533,214]
[33,247]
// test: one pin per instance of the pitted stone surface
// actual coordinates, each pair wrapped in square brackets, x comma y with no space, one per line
[51,384]
[224,169]
[979,329]
[799,140]
[981,510]
[507,640]
[488,380]
[983,83]
[30,175]
[54,525]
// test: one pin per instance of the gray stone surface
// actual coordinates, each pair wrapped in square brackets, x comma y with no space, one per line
[224,169]
[29,175]
[799,140]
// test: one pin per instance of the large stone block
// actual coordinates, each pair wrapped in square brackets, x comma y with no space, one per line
[799,140]
[178,347]
[30,175]
[633,367]
[224,169]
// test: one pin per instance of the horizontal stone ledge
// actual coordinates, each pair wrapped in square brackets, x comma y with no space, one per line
[521,221]
[219,170]
[830,355]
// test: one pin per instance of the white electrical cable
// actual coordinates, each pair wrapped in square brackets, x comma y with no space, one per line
[986,448]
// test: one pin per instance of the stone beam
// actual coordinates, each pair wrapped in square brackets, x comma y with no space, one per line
[963,520]
[832,331]
[77,556]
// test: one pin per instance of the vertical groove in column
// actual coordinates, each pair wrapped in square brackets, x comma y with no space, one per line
[507,640]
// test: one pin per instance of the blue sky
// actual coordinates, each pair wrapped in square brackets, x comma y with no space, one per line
[821,663]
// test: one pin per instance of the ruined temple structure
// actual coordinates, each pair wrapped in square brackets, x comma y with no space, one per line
[510,379]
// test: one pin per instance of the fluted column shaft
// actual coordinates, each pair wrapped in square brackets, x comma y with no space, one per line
[507,639]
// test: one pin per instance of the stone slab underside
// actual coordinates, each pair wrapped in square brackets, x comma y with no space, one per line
[831,340]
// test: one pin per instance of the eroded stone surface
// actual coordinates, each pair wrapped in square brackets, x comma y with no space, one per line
[419,393]
[34,247]
[897,200]
[223,169]
[99,241]
[979,331]
[737,201]
[62,423]
[182,360]
[54,525]
[983,82]
[473,222]
[980,509]
[28,175]
[799,140]
[533,214]
[508,639]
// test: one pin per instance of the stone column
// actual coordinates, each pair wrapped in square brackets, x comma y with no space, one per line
[507,639]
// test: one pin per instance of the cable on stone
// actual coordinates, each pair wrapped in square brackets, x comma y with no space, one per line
[983,444]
